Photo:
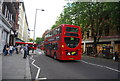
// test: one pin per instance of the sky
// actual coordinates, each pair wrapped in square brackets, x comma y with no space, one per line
[45,19]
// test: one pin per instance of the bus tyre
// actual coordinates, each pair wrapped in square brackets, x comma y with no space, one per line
[55,57]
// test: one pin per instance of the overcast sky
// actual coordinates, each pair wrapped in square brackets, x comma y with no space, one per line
[45,19]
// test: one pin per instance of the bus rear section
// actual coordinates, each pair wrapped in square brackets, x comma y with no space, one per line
[68,53]
[70,43]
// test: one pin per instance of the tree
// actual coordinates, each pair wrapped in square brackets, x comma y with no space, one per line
[39,40]
[31,40]
[95,16]
[102,17]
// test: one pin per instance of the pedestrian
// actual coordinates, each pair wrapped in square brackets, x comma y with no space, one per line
[25,51]
[28,50]
[22,50]
[18,47]
[11,49]
[116,55]
[14,49]
[5,49]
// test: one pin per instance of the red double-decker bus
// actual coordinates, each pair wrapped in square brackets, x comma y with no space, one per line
[64,42]
[42,47]
[30,44]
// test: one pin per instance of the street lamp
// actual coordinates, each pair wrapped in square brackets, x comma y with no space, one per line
[35,21]
[35,24]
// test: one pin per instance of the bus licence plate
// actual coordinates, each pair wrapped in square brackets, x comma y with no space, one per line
[71,58]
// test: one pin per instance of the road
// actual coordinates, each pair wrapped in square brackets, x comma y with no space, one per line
[87,68]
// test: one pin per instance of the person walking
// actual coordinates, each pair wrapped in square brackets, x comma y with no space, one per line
[28,50]
[11,49]
[5,49]
[22,50]
[16,49]
[116,55]
[25,51]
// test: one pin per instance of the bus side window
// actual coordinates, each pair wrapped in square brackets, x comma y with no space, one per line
[54,32]
[51,34]
[55,46]
[60,30]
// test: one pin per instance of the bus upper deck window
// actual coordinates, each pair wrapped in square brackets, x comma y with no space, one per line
[71,29]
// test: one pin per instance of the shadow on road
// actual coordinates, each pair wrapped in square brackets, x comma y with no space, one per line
[69,61]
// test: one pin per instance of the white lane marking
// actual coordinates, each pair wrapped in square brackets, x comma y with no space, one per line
[38,72]
[100,66]
[41,79]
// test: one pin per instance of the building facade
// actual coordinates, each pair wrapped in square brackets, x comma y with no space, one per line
[13,23]
[23,24]
[8,23]
[110,38]
[26,31]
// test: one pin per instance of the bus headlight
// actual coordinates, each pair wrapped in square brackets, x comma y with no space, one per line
[72,53]
[68,53]
[62,46]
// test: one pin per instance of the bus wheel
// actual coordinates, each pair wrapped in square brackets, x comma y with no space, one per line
[46,53]
[55,57]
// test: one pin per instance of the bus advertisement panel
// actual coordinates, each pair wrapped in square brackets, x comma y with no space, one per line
[64,42]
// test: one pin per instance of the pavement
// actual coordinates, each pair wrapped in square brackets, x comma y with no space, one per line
[0,67]
[14,67]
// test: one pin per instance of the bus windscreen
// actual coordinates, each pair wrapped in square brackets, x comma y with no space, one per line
[70,29]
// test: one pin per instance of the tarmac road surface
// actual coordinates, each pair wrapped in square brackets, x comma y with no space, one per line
[87,68]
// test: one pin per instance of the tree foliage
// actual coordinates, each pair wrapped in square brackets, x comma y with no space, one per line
[30,40]
[39,40]
[95,16]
